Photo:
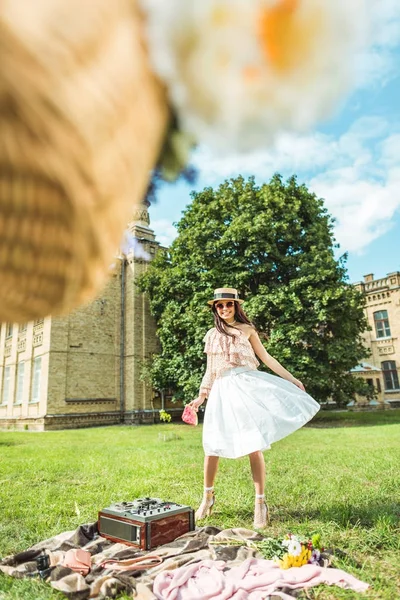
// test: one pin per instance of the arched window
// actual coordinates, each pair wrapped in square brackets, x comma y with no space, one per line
[390,375]
[381,321]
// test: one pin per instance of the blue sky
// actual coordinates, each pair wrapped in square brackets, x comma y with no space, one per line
[352,161]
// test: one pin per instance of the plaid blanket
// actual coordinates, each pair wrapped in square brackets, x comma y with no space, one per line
[100,582]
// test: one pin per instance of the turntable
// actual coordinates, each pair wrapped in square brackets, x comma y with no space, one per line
[145,522]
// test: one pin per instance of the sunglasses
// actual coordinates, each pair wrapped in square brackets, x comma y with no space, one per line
[220,305]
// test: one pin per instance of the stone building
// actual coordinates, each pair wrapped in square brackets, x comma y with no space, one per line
[84,369]
[382,309]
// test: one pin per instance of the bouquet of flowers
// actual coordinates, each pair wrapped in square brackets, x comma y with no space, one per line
[296,552]
[291,551]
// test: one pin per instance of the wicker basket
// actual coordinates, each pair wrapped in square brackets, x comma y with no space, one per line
[82,119]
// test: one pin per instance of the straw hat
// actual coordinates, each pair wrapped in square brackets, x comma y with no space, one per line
[226,294]
[82,121]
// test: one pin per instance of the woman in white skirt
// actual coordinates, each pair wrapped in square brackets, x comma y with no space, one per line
[247,410]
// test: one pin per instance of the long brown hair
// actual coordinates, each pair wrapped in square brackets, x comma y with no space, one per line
[223,327]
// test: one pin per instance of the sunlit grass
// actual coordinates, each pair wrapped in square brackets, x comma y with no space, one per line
[340,480]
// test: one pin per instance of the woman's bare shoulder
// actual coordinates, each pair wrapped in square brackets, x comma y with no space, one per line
[248,330]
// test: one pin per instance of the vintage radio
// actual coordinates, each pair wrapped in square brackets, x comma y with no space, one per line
[145,522]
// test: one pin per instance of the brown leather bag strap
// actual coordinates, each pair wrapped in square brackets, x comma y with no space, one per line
[132,564]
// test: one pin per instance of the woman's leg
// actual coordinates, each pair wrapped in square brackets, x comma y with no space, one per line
[258,471]
[210,471]
[257,464]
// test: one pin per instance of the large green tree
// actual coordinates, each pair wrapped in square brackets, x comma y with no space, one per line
[274,243]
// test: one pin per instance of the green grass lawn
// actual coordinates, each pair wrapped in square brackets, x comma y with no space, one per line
[340,477]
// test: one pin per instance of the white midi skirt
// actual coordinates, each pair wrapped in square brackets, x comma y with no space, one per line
[248,410]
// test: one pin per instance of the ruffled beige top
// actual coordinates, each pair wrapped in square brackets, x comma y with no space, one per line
[224,353]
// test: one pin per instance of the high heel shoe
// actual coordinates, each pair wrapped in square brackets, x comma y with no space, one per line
[261,514]
[206,506]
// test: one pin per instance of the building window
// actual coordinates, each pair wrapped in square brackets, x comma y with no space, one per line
[20,383]
[9,330]
[381,324]
[390,376]
[378,385]
[37,372]
[6,385]
[23,327]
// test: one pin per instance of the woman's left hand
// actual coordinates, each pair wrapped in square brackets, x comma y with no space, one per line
[299,384]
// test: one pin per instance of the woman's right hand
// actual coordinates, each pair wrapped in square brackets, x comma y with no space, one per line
[299,384]
[196,403]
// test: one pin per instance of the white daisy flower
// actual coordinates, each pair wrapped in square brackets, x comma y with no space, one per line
[239,71]
[294,548]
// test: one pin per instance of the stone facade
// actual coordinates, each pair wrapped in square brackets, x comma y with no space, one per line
[382,309]
[85,369]
[373,377]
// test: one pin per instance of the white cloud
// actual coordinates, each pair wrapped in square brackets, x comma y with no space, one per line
[296,153]
[358,175]
[379,63]
[164,230]
[363,208]
[390,151]
[292,152]
[385,18]
[361,186]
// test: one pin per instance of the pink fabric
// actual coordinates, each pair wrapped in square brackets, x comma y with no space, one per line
[224,353]
[254,579]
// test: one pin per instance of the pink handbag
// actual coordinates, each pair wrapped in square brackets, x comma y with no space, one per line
[78,560]
[189,415]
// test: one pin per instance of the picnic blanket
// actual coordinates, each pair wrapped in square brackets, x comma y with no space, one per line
[192,568]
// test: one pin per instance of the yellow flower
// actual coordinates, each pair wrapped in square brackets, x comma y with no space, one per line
[286,562]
